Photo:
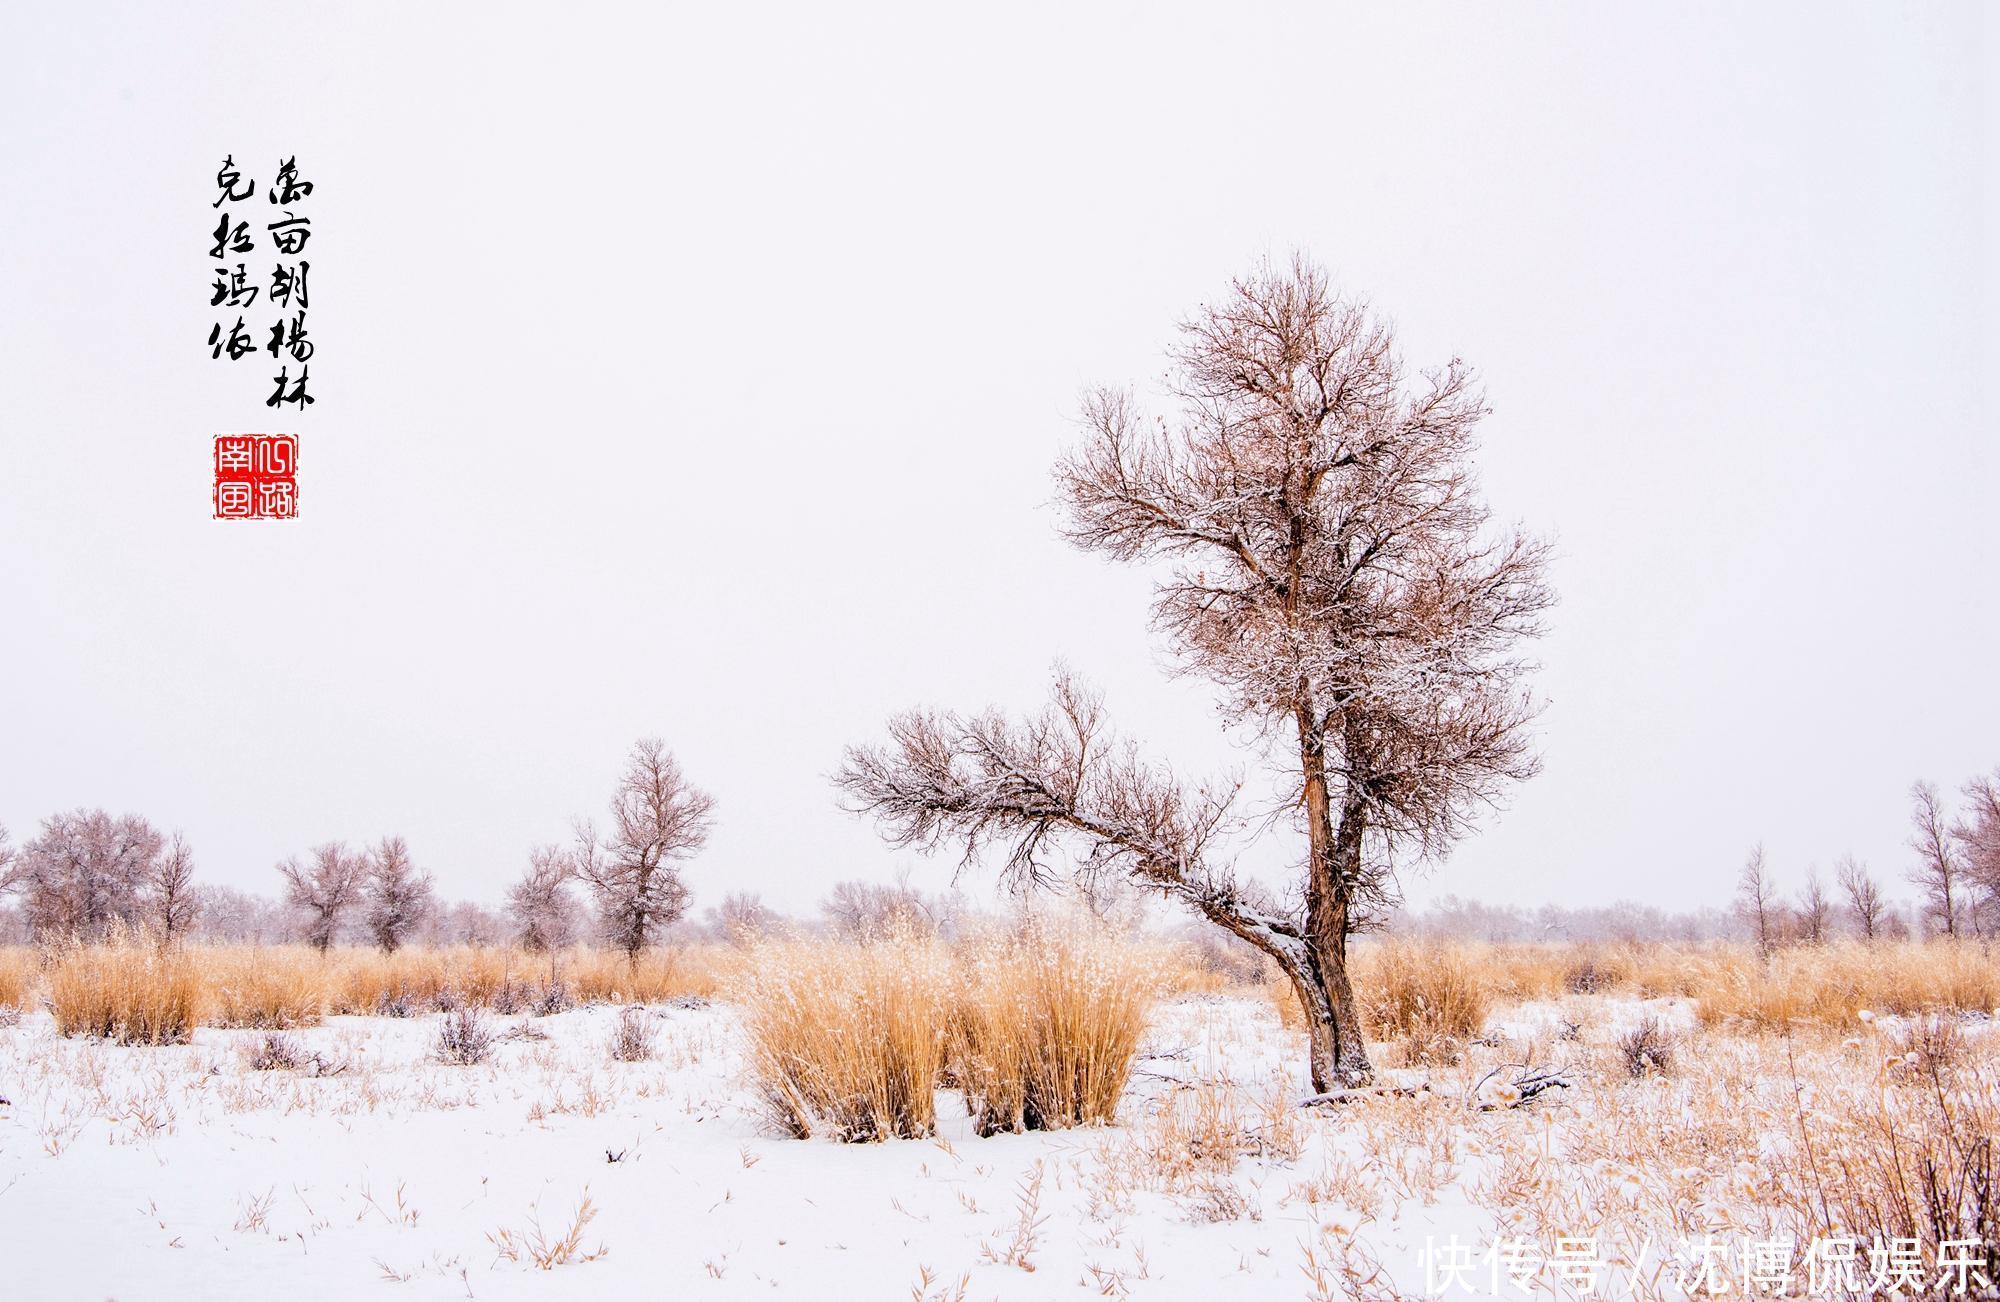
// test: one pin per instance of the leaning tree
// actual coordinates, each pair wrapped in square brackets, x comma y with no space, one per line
[1330,567]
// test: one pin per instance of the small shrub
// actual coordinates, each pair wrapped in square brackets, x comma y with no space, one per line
[554,997]
[398,1003]
[1930,1045]
[633,1035]
[464,1039]
[1585,975]
[276,1051]
[511,996]
[1647,1049]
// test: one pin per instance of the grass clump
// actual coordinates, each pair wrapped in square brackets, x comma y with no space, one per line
[1045,1025]
[848,1040]
[125,989]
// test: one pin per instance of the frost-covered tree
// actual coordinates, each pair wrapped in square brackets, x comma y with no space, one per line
[1332,569]
[464,922]
[1815,911]
[1757,902]
[543,911]
[171,903]
[86,872]
[226,914]
[398,896]
[1866,908]
[323,890]
[1938,871]
[633,868]
[1978,835]
[743,918]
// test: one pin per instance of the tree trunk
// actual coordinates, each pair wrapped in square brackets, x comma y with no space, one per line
[1339,1056]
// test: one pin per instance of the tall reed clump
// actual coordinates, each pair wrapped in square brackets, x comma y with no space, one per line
[276,988]
[1432,998]
[848,1041]
[125,989]
[1045,1025]
[18,971]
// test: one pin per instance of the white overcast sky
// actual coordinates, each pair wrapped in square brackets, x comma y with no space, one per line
[697,371]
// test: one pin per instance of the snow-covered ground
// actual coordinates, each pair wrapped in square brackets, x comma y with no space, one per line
[182,1173]
[186,1173]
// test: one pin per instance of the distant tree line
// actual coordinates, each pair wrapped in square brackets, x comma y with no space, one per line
[1954,864]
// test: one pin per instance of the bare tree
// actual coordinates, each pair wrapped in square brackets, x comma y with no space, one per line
[85,873]
[464,922]
[171,902]
[324,890]
[398,896]
[1815,911]
[1757,902]
[1334,571]
[227,914]
[1937,872]
[540,905]
[1978,835]
[743,918]
[1865,906]
[858,910]
[658,820]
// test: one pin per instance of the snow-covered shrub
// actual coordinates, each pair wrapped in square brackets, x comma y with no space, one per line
[1647,1049]
[463,1039]
[633,1035]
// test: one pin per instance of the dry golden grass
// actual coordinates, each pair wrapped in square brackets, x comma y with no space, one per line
[1038,1026]
[1431,999]
[19,975]
[286,986]
[126,990]
[1045,1024]
[848,1040]
[254,985]
[1425,994]
[1829,984]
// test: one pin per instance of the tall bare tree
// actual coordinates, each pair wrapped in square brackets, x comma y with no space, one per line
[1333,570]
[1815,910]
[1865,906]
[1757,902]
[324,890]
[540,905]
[658,820]
[1937,871]
[398,896]
[86,872]
[1978,835]
[170,899]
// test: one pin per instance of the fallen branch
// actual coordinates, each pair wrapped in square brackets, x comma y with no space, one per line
[1365,1092]
[1525,1088]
